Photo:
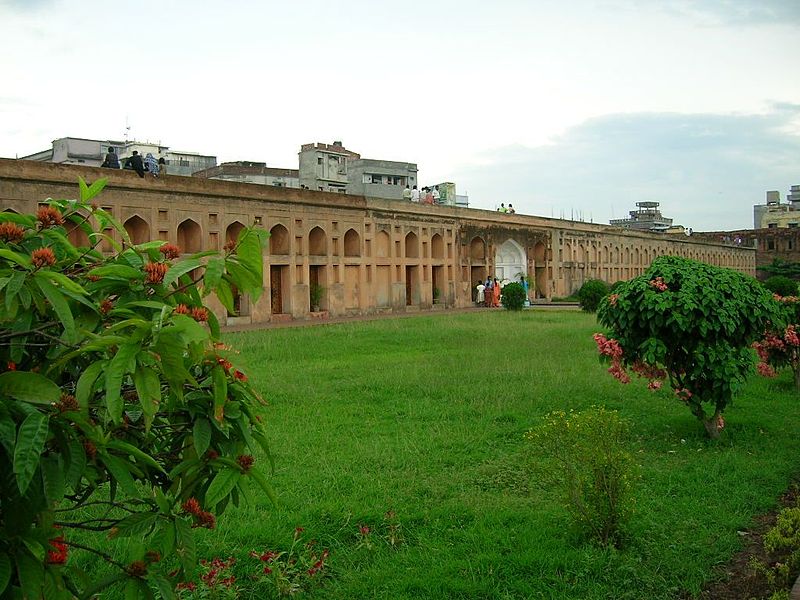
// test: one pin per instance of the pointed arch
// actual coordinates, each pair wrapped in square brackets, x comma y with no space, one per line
[477,248]
[383,245]
[412,245]
[437,246]
[189,236]
[278,240]
[352,243]
[317,242]
[510,260]
[232,232]
[138,230]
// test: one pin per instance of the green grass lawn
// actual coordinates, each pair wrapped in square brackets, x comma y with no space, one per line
[425,416]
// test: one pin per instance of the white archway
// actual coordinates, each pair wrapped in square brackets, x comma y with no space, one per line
[510,260]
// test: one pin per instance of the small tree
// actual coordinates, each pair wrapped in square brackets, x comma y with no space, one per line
[590,294]
[513,296]
[692,324]
[781,285]
[780,346]
[116,393]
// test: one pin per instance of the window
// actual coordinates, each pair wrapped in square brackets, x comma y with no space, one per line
[792,225]
[773,226]
[771,244]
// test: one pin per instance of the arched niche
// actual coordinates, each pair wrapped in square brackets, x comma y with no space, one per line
[317,242]
[510,260]
[189,236]
[383,245]
[437,246]
[412,245]
[352,243]
[138,230]
[539,253]
[477,249]
[232,232]
[278,240]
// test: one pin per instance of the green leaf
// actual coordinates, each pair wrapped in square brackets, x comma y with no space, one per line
[103,584]
[191,330]
[117,272]
[5,571]
[148,388]
[86,383]
[185,550]
[53,478]
[248,249]
[138,523]
[167,539]
[220,382]
[20,259]
[222,485]
[120,366]
[225,296]
[215,267]
[119,470]
[264,484]
[29,387]
[30,443]
[62,280]
[163,586]
[31,575]
[87,193]
[77,463]
[201,432]
[59,304]
[181,268]
[138,454]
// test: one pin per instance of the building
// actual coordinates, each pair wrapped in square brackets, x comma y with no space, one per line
[334,168]
[776,214]
[82,151]
[369,255]
[252,172]
[647,217]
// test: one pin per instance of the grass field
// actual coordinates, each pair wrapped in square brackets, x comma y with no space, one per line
[425,416]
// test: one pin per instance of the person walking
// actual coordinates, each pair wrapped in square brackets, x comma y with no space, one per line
[151,164]
[111,161]
[496,293]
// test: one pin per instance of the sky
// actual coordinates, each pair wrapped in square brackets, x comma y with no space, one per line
[573,109]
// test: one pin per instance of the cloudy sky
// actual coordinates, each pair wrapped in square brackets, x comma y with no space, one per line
[568,109]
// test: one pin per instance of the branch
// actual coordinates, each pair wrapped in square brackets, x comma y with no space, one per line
[103,555]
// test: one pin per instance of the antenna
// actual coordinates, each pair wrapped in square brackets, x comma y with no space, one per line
[127,129]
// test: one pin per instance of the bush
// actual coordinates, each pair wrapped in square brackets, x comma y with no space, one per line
[584,453]
[116,393]
[590,294]
[513,296]
[783,286]
[616,285]
[689,322]
[782,546]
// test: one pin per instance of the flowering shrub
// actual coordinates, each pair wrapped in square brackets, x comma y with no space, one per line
[113,397]
[584,453]
[295,570]
[691,324]
[780,348]
[512,296]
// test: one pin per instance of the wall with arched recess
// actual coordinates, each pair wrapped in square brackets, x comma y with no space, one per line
[373,255]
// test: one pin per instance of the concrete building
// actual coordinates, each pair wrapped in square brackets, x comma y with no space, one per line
[334,168]
[370,255]
[82,151]
[646,217]
[776,214]
[252,172]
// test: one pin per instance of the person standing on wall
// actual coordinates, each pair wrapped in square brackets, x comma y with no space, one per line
[162,167]
[435,194]
[415,195]
[407,194]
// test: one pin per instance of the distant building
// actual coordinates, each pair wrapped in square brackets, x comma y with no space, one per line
[82,151]
[775,214]
[334,168]
[252,172]
[647,217]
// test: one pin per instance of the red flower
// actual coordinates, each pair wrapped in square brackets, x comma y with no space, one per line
[58,555]
[226,364]
[658,283]
[207,520]
[67,403]
[43,257]
[612,299]
[90,448]
[192,506]
[11,232]
[245,462]
[137,569]
[155,272]
[212,455]
[170,251]
[11,365]
[200,314]
[182,309]
[106,306]
[363,529]
[186,585]
[237,374]
[49,216]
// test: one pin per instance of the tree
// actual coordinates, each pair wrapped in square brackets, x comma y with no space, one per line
[781,285]
[692,324]
[116,395]
[591,293]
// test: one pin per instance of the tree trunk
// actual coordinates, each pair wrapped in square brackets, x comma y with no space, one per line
[712,424]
